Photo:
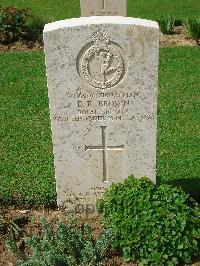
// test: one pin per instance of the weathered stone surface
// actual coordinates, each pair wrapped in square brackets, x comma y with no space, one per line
[102,83]
[103,8]
[196,263]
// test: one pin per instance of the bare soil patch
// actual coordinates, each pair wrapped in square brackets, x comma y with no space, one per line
[21,47]
[33,227]
[178,38]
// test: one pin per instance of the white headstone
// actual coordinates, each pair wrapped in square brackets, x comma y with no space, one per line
[103,8]
[102,83]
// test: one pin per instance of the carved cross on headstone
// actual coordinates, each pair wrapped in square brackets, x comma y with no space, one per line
[103,5]
[105,148]
[103,8]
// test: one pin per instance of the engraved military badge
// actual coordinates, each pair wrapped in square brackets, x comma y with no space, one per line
[101,62]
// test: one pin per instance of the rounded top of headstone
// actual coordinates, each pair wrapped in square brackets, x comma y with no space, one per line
[76,22]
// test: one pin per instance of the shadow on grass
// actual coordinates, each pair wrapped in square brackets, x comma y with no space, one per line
[189,185]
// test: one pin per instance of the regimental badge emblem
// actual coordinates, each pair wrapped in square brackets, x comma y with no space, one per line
[101,63]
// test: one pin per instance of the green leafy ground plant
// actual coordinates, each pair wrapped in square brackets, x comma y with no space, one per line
[19,24]
[166,25]
[12,23]
[66,245]
[154,225]
[193,27]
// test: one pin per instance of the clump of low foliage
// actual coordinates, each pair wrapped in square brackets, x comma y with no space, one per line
[66,244]
[34,28]
[193,27]
[19,24]
[166,24]
[12,23]
[11,226]
[156,225]
[178,22]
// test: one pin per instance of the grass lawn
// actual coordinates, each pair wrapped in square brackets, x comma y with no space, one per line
[26,166]
[53,10]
